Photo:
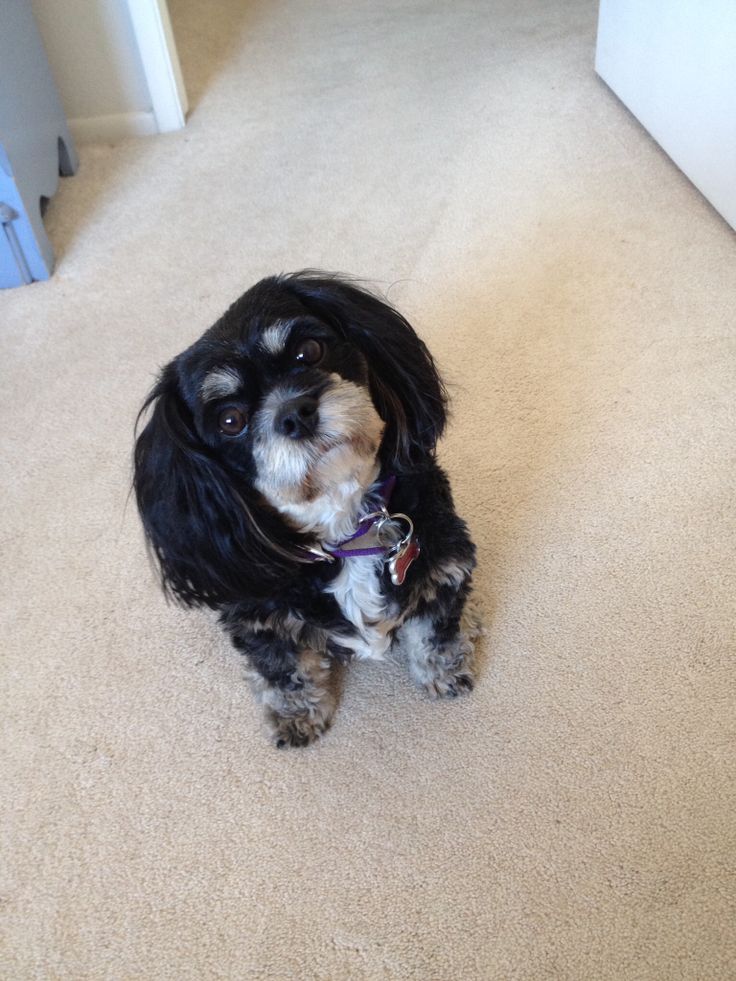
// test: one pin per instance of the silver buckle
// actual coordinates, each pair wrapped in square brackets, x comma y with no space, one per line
[395,548]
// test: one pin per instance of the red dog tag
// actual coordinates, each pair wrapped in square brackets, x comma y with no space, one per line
[400,563]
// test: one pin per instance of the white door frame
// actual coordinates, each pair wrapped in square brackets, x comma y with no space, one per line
[155,39]
[671,62]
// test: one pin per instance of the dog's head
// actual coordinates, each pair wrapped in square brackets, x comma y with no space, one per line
[306,383]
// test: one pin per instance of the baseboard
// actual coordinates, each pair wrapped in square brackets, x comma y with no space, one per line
[110,129]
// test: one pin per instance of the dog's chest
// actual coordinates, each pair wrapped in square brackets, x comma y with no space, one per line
[359,594]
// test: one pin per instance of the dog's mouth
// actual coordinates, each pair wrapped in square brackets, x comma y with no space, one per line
[341,436]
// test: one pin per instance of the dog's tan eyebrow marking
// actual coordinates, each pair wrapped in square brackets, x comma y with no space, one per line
[273,340]
[220,383]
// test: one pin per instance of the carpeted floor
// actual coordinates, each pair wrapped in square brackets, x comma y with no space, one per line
[573,818]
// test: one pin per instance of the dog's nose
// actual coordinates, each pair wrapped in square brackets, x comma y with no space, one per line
[298,418]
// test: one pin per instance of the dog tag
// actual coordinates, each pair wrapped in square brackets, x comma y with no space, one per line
[400,563]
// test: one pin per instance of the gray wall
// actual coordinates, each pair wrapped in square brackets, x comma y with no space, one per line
[95,61]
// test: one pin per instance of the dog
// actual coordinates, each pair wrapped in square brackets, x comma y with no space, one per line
[286,478]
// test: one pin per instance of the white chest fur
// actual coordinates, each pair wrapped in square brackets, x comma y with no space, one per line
[332,517]
[357,590]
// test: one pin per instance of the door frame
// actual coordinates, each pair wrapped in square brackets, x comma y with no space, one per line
[155,39]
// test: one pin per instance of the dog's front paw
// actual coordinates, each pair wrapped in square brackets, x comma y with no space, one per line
[301,707]
[296,730]
[449,683]
[447,674]
[442,671]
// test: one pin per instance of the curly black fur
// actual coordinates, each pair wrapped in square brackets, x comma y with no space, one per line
[218,525]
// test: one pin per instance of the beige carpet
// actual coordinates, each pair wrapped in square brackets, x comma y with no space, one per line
[573,818]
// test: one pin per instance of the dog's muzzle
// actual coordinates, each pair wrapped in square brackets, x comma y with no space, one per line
[298,418]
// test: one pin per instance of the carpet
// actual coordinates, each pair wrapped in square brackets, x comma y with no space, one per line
[574,817]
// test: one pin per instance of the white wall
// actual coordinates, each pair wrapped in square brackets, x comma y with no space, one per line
[673,64]
[94,57]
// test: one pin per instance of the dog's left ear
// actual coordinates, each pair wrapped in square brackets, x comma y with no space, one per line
[405,384]
[209,537]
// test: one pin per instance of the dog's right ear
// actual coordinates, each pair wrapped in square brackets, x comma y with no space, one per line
[200,526]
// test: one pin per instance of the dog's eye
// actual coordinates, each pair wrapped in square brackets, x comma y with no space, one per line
[310,351]
[232,422]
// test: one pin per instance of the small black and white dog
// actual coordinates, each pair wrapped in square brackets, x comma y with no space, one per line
[286,478]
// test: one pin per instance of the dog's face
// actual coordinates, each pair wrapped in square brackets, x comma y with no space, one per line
[305,384]
[283,398]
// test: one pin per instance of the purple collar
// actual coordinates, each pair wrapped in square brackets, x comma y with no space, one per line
[382,496]
[384,492]
[398,554]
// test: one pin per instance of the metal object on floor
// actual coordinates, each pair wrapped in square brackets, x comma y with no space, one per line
[35,147]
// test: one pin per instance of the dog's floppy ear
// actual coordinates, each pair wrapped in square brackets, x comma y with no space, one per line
[405,384]
[200,525]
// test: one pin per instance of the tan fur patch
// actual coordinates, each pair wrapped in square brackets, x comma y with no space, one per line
[220,383]
[298,716]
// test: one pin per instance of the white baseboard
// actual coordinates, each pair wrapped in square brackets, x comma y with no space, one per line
[110,129]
